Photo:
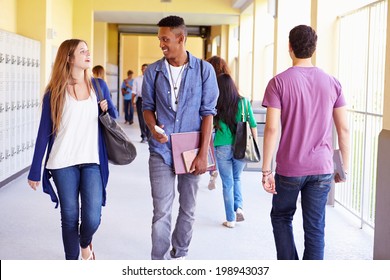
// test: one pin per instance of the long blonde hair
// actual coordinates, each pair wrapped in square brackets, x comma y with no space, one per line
[60,77]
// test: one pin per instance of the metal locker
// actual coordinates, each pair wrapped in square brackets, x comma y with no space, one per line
[19,95]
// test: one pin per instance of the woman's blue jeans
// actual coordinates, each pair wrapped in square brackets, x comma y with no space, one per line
[314,191]
[230,170]
[72,182]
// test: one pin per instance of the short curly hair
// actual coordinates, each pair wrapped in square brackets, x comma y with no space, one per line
[173,22]
[303,41]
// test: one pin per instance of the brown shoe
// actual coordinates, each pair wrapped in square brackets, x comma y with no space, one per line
[239,215]
[213,177]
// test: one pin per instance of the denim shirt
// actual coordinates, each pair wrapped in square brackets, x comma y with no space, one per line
[197,99]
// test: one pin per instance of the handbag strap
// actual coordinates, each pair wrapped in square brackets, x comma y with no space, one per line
[244,110]
[100,94]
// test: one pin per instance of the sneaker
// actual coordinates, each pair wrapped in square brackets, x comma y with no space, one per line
[213,177]
[144,140]
[173,252]
[182,258]
[229,224]
[239,215]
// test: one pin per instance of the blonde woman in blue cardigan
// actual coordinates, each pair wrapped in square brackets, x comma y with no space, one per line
[76,155]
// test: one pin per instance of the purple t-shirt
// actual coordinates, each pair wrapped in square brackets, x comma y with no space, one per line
[306,97]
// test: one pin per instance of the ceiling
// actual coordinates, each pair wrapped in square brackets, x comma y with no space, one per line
[150,18]
[146,22]
[191,19]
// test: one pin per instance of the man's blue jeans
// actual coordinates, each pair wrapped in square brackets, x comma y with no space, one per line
[129,110]
[82,180]
[230,170]
[314,192]
[162,180]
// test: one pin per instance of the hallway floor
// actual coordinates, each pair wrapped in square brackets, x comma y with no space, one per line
[30,225]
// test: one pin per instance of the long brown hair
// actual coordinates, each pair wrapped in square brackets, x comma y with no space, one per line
[98,72]
[227,104]
[61,75]
[219,64]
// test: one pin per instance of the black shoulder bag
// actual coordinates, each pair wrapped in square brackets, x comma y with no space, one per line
[120,150]
[245,145]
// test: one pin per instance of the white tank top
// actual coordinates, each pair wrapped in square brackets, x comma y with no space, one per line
[77,138]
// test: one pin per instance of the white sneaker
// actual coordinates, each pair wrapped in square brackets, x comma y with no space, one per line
[213,177]
[179,258]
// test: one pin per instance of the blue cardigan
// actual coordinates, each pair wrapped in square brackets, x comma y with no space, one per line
[45,139]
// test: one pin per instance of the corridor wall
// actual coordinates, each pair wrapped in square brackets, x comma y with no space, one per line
[19,102]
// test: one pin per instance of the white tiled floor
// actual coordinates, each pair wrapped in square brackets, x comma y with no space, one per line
[30,226]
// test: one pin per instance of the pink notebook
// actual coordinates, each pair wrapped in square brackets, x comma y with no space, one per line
[186,141]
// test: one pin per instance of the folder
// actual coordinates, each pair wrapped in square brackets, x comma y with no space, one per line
[338,164]
[184,142]
[189,156]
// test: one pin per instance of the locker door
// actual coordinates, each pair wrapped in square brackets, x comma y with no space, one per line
[2,105]
[19,95]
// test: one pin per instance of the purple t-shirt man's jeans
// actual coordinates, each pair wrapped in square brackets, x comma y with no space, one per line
[306,97]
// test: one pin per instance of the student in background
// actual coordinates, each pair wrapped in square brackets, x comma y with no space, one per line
[220,67]
[128,97]
[98,72]
[137,91]
[230,106]
[76,156]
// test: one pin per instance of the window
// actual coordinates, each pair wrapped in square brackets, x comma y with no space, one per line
[362,52]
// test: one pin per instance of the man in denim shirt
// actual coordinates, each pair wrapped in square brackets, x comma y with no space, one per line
[178,98]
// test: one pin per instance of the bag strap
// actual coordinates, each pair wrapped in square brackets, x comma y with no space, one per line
[100,94]
[247,110]
[243,119]
[244,110]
